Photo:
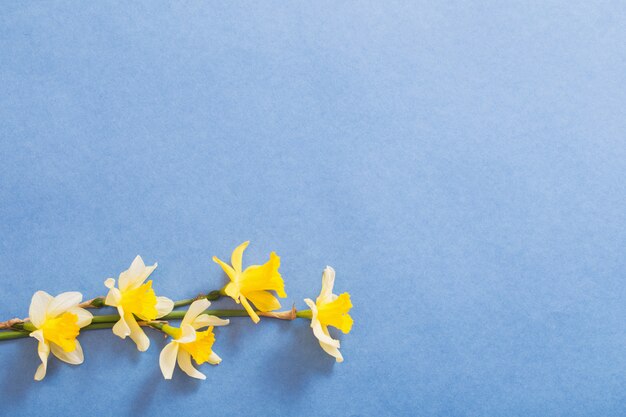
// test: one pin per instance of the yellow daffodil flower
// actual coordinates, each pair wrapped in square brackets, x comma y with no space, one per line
[253,285]
[57,321]
[190,343]
[330,310]
[136,298]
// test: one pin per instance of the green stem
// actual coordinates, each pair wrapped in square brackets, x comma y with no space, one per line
[108,321]
[304,314]
[211,296]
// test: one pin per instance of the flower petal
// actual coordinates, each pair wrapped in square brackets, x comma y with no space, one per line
[214,359]
[328,282]
[63,302]
[137,333]
[255,318]
[84,316]
[263,300]
[109,283]
[318,331]
[236,257]
[167,359]
[227,268]
[114,297]
[204,320]
[74,357]
[332,351]
[195,309]
[188,334]
[164,306]
[43,350]
[38,306]
[121,328]
[184,361]
[135,275]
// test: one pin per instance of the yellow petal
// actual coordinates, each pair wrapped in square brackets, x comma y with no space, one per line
[167,359]
[255,318]
[263,300]
[232,290]
[236,257]
[227,268]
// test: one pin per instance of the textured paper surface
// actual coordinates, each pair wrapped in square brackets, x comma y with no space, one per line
[460,164]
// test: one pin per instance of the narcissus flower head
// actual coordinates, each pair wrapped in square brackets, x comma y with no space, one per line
[253,285]
[187,342]
[57,321]
[330,310]
[135,297]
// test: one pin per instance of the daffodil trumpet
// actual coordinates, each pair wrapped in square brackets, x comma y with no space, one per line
[254,284]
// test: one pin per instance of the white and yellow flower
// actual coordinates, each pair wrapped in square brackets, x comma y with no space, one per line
[190,343]
[330,310]
[136,298]
[57,321]
[253,285]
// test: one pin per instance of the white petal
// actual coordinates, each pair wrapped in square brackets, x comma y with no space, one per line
[205,320]
[321,336]
[332,351]
[38,306]
[84,316]
[74,357]
[313,308]
[214,359]
[63,302]
[114,297]
[43,350]
[109,283]
[188,334]
[167,359]
[137,333]
[121,328]
[184,361]
[195,309]
[328,282]
[164,306]
[134,276]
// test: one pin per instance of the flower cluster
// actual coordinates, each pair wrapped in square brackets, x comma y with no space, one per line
[57,321]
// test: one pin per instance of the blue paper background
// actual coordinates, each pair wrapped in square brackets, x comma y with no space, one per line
[461,165]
